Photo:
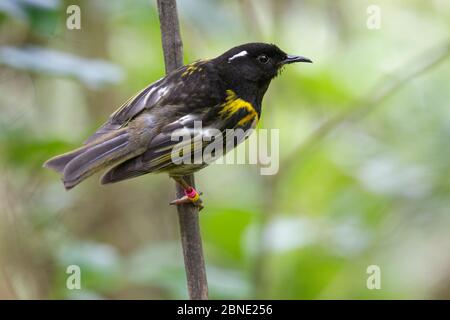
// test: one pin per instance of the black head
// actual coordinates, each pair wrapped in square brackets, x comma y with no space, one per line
[256,62]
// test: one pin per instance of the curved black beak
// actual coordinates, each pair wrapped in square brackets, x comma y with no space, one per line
[292,59]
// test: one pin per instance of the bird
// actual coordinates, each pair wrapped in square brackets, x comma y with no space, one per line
[224,93]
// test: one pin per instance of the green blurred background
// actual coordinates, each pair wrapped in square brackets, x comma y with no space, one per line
[373,190]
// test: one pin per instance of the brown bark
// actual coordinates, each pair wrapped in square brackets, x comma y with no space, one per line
[187,214]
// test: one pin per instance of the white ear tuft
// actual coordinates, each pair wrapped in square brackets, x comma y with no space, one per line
[237,55]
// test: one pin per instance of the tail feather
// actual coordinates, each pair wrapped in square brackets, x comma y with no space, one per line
[58,163]
[126,170]
[94,159]
[81,163]
[150,161]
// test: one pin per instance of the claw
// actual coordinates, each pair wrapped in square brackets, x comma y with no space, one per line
[190,196]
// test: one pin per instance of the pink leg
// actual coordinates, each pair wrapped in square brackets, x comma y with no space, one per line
[190,195]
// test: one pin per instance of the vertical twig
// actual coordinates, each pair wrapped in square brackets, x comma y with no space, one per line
[187,214]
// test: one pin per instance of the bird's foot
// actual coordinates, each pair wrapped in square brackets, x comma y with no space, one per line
[190,196]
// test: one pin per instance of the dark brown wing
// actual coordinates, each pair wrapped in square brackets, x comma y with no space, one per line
[145,99]
[159,153]
[182,135]
[190,87]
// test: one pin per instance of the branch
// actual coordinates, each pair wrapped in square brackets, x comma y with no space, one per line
[191,240]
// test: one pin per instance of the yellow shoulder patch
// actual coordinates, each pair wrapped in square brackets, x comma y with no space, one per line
[234,104]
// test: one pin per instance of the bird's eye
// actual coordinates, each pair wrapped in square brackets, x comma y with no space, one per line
[263,59]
